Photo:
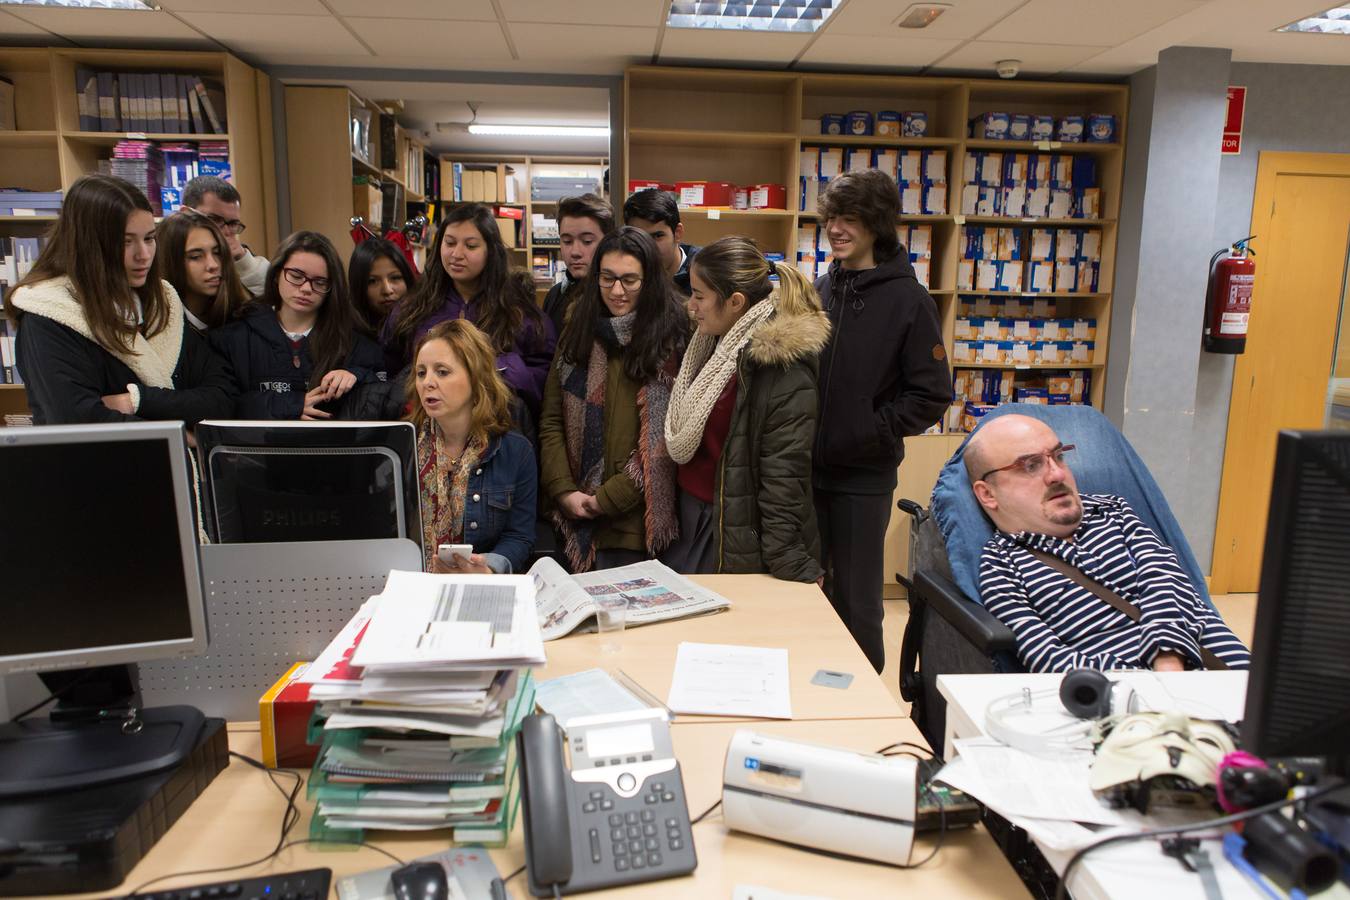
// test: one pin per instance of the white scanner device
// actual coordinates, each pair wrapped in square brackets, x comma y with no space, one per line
[826,798]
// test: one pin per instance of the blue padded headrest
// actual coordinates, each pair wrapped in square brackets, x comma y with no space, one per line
[1103,462]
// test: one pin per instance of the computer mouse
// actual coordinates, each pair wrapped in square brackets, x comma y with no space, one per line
[421,881]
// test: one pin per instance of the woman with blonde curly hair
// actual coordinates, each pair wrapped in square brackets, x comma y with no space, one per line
[478,477]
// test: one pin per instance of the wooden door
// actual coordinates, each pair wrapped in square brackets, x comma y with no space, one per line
[1301,217]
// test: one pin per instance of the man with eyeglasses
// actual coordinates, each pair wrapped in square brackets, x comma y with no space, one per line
[219,201]
[1080,580]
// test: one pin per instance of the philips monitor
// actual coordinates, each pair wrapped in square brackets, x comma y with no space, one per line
[1298,692]
[101,570]
[266,482]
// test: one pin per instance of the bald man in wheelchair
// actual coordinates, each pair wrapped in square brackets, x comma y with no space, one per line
[1080,580]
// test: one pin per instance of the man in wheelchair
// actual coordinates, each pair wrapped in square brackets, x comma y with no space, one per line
[1081,581]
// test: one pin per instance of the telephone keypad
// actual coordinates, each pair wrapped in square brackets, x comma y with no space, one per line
[647,833]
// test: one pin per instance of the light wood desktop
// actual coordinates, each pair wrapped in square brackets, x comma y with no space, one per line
[237,818]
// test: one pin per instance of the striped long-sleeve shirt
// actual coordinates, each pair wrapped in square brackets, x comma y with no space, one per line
[1060,625]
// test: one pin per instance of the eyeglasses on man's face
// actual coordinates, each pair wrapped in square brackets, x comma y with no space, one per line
[229,226]
[298,278]
[1033,464]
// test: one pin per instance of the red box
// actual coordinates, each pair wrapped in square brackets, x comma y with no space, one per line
[510,212]
[706,193]
[640,185]
[768,196]
[283,715]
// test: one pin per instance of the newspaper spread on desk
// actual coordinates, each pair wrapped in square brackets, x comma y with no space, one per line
[655,593]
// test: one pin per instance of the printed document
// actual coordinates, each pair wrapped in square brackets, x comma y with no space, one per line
[728,680]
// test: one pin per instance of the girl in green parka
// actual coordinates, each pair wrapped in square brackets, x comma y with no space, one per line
[742,417]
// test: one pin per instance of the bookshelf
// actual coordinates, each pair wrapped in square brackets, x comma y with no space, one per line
[750,127]
[323,164]
[49,151]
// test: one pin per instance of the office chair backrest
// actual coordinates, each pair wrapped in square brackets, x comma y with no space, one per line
[1103,463]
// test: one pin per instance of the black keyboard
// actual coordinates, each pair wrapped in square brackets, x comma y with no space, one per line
[309,884]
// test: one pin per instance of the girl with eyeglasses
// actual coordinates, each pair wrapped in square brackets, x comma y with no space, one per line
[606,472]
[297,350]
[195,258]
[743,415]
[471,278]
[101,337]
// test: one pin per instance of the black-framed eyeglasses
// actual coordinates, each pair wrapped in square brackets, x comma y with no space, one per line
[229,226]
[298,278]
[1032,464]
[630,282]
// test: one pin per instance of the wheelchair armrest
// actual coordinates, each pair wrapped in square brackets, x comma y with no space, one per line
[905,505]
[975,623]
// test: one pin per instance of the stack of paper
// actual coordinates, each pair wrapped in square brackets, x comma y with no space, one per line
[419,699]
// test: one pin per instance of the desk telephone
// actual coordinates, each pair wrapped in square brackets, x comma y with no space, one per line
[617,817]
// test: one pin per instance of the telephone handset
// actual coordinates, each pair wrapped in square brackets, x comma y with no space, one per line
[617,816]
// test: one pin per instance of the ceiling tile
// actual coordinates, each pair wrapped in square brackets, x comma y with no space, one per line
[296,35]
[891,51]
[1087,22]
[874,18]
[716,47]
[13,25]
[101,24]
[1037,59]
[395,38]
[458,10]
[586,12]
[580,41]
[254,7]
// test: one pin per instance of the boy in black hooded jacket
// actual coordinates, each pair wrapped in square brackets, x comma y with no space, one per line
[883,377]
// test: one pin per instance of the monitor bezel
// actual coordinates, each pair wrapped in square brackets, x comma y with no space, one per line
[173,435]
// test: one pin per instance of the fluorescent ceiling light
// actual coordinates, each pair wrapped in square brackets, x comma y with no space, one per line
[751,15]
[541,130]
[1333,21]
[86,4]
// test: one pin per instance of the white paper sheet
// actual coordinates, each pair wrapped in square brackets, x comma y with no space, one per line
[590,693]
[1015,783]
[729,680]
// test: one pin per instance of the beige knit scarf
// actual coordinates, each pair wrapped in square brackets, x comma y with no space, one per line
[708,365]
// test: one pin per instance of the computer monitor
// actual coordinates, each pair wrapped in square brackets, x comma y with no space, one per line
[309,481]
[1298,691]
[101,569]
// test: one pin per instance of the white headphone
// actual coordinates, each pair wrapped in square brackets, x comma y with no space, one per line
[1088,696]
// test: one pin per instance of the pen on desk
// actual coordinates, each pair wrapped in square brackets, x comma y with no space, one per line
[642,693]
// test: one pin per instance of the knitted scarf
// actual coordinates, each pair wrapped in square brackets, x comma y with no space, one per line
[709,363]
[442,488]
[650,466]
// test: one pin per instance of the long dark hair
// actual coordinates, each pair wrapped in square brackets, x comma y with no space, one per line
[335,329]
[505,299]
[87,246]
[661,326]
[358,274]
[171,254]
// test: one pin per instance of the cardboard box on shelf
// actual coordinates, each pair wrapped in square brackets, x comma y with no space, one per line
[768,196]
[1101,128]
[1025,330]
[1014,201]
[831,162]
[1089,204]
[806,264]
[965,275]
[914,124]
[705,193]
[1041,276]
[888,123]
[1044,309]
[806,239]
[910,165]
[1010,275]
[857,159]
[922,271]
[1070,130]
[859,123]
[1019,127]
[1042,243]
[965,351]
[920,240]
[740,198]
[1038,200]
[1038,168]
[935,166]
[1084,329]
[1014,168]
[1042,128]
[964,328]
[970,199]
[809,163]
[808,195]
[887,159]
[832,123]
[1014,307]
[911,198]
[1061,203]
[986,275]
[991,169]
[935,199]
[1009,243]
[990,126]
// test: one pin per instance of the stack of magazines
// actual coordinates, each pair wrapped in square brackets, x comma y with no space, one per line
[419,700]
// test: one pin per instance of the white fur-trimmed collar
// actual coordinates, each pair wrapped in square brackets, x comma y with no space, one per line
[153,360]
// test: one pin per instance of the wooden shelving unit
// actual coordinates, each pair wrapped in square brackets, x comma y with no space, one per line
[49,152]
[323,163]
[749,127]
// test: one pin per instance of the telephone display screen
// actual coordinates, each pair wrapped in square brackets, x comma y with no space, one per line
[620,740]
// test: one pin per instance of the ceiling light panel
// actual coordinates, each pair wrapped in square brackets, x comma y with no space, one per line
[1333,21]
[540,130]
[751,15]
[85,4]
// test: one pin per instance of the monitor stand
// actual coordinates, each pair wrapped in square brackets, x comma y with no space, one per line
[96,734]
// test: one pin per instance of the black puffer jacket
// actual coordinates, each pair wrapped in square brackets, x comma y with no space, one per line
[559,298]
[883,376]
[762,497]
[270,385]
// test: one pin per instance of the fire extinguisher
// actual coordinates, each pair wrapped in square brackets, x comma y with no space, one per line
[1228,299]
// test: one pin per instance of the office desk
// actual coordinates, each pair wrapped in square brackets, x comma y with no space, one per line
[238,816]
[764,612]
[1136,869]
[237,819]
